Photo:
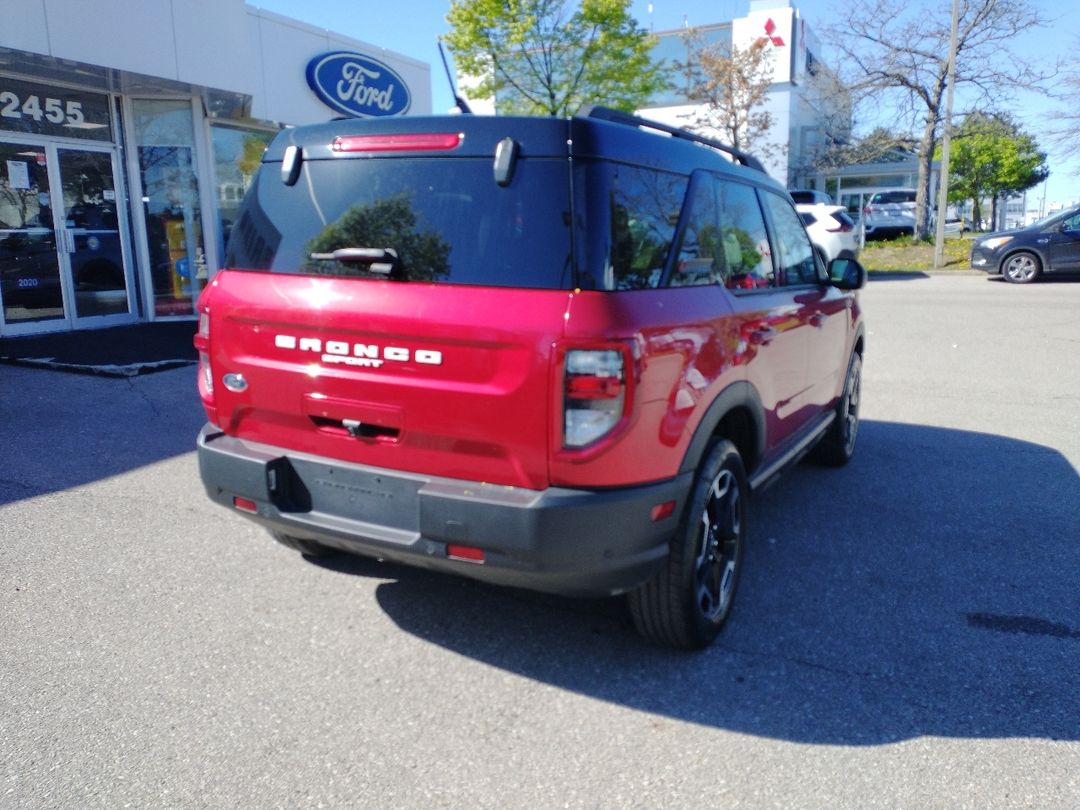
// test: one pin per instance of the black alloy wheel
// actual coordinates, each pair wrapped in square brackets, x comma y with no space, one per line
[837,446]
[686,604]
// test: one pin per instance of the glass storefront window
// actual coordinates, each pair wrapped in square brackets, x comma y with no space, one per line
[237,154]
[164,138]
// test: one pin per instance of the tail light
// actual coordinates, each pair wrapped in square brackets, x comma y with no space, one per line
[202,344]
[844,223]
[594,394]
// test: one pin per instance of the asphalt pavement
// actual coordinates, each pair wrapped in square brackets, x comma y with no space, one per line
[906,634]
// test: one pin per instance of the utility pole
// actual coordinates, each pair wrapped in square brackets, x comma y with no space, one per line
[946,143]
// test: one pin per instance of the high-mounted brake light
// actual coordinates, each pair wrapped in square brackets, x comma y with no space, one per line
[406,142]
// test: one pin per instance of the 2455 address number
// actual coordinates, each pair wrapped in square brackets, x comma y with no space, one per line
[53,110]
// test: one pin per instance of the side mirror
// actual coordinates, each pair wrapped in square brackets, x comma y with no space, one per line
[847,274]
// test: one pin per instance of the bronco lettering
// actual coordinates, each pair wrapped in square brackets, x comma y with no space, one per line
[358,354]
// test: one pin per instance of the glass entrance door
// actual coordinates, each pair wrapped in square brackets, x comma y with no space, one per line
[92,233]
[62,260]
[31,289]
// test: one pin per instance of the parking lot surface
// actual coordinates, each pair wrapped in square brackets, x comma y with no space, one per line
[907,631]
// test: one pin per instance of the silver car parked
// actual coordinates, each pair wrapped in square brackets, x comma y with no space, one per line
[890,212]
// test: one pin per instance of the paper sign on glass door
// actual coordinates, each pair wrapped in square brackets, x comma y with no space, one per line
[18,174]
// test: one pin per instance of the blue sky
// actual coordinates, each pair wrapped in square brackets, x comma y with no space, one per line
[411,27]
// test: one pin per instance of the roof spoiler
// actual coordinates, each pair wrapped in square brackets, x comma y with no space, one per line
[619,117]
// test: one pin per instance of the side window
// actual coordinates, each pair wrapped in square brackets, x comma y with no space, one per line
[795,256]
[1072,223]
[700,257]
[744,242]
[645,207]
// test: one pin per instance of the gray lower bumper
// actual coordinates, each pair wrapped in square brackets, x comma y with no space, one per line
[568,541]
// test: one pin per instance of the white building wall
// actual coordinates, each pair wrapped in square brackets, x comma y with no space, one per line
[283,47]
[216,44]
[783,31]
[210,53]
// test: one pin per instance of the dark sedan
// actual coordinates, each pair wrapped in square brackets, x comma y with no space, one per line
[1050,246]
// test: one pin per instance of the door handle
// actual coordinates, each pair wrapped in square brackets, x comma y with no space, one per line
[64,240]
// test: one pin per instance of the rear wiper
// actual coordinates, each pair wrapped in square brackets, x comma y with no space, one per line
[379,260]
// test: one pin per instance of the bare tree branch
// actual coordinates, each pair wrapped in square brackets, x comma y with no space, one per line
[890,48]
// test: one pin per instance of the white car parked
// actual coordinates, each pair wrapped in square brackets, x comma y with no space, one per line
[831,230]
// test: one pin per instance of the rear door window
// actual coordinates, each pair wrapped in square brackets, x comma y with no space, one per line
[743,238]
[445,220]
[700,259]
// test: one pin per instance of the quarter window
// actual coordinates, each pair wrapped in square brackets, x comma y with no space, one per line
[795,256]
[645,207]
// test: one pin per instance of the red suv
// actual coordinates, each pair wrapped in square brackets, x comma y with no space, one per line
[551,353]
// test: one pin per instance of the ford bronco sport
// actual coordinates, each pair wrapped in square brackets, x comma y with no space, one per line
[557,354]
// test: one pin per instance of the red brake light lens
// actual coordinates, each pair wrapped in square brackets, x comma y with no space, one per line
[405,142]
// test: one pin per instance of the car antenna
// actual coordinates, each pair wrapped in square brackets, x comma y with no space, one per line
[459,102]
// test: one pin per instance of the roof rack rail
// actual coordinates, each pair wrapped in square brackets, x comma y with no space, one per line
[619,117]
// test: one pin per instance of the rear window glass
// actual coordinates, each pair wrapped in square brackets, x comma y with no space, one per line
[893,197]
[442,220]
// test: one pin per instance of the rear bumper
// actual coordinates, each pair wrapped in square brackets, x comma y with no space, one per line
[566,541]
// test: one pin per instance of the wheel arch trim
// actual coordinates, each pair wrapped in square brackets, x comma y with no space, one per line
[739,396]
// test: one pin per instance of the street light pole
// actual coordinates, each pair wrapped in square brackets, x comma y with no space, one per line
[946,143]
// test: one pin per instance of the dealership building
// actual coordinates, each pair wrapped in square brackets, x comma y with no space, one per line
[801,113]
[129,132]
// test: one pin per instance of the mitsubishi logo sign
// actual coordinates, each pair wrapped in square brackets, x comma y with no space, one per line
[770,35]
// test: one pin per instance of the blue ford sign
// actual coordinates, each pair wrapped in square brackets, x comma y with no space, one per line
[357,85]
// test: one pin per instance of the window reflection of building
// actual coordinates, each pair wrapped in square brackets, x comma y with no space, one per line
[237,154]
[165,143]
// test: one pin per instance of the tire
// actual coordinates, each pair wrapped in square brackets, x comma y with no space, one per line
[687,602]
[1022,267]
[837,446]
[309,548]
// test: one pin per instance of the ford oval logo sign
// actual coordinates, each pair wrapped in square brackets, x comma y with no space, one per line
[357,85]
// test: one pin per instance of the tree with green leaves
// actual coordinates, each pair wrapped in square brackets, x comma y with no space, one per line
[992,157]
[895,53]
[539,57]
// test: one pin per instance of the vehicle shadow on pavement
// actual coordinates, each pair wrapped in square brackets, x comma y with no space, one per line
[929,588]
